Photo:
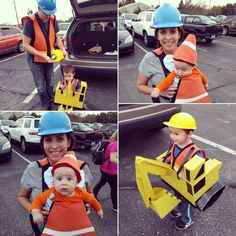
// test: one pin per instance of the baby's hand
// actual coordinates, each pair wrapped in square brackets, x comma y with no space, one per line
[181,175]
[100,214]
[155,93]
[37,217]
[206,86]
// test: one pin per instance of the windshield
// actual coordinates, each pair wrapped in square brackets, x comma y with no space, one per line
[130,16]
[206,19]
[7,122]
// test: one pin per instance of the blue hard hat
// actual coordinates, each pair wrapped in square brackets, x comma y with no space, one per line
[54,122]
[47,6]
[167,16]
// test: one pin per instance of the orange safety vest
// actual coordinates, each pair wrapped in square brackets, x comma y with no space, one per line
[68,219]
[42,43]
[74,84]
[177,162]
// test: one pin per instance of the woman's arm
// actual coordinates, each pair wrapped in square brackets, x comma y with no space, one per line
[24,199]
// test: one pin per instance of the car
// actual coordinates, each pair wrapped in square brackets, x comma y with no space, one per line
[109,130]
[142,27]
[5,148]
[91,38]
[5,124]
[25,131]
[96,126]
[63,28]
[136,117]
[126,41]
[202,27]
[85,136]
[10,39]
[219,18]
[229,25]
[126,19]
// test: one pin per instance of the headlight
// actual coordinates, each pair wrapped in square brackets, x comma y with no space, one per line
[6,145]
[129,39]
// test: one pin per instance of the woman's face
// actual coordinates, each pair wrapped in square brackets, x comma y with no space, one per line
[55,147]
[168,38]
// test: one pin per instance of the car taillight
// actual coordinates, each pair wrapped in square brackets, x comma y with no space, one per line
[33,132]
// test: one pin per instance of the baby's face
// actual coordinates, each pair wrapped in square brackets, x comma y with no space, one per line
[65,181]
[68,76]
[182,68]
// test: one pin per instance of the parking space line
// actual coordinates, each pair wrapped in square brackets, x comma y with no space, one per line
[227,44]
[21,156]
[213,144]
[7,59]
[34,92]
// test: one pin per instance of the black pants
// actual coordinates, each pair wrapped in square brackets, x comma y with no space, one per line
[112,181]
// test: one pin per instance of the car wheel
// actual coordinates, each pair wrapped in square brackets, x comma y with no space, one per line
[145,39]
[225,31]
[133,33]
[24,145]
[20,47]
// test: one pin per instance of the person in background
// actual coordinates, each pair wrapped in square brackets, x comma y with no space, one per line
[109,170]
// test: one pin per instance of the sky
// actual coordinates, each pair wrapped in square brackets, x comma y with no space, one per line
[8,15]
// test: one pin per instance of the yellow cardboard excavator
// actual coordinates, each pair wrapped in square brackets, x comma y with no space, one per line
[200,187]
[68,98]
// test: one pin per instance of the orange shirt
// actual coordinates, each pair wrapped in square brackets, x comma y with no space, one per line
[40,200]
[168,81]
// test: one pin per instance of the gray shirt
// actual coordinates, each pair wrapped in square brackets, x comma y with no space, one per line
[32,178]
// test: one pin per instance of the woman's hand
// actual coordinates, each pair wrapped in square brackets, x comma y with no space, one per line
[170,92]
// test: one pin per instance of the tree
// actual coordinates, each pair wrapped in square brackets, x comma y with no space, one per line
[29,12]
[125,2]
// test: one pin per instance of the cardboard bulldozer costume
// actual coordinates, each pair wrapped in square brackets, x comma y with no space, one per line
[70,98]
[200,187]
[56,54]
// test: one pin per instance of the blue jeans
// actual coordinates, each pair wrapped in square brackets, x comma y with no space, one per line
[43,75]
[185,208]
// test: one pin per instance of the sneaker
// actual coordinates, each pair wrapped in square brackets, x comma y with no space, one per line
[175,214]
[180,225]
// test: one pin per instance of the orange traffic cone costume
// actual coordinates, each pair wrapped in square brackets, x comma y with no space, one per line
[191,87]
[67,214]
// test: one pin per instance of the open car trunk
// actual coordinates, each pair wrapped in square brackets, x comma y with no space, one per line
[97,32]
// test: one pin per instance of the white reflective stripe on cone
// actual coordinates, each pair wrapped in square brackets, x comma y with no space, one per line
[68,233]
[194,99]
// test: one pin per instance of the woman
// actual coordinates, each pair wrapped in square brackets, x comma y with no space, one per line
[156,65]
[109,170]
[56,139]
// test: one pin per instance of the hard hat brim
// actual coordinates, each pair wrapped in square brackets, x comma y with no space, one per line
[48,12]
[167,25]
[55,131]
[167,123]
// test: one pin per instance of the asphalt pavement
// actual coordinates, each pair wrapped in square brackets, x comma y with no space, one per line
[18,91]
[14,220]
[216,60]
[216,130]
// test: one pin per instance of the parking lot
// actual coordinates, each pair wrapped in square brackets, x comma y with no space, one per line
[18,91]
[216,60]
[216,135]
[14,220]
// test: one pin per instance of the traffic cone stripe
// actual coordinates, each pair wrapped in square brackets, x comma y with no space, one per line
[189,44]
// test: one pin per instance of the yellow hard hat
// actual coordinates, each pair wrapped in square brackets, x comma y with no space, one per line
[181,120]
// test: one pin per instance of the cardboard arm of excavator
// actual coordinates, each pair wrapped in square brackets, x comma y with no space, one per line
[200,187]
